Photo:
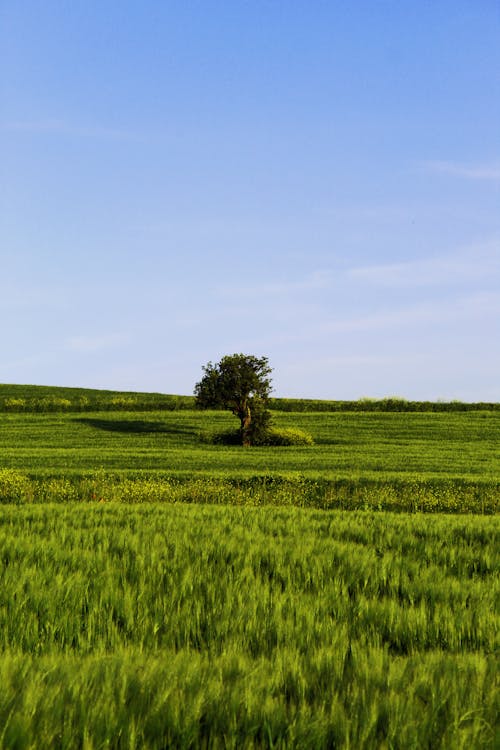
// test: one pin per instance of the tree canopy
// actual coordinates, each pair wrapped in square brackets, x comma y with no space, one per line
[240,383]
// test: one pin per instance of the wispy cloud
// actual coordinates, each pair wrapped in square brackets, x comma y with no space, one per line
[466,171]
[426,318]
[479,309]
[471,264]
[485,305]
[320,279]
[62,127]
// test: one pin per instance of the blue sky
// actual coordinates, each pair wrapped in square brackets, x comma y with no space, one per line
[317,182]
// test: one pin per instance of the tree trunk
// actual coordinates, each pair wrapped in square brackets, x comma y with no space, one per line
[245,419]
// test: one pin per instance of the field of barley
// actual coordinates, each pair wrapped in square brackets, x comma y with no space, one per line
[157,590]
[188,626]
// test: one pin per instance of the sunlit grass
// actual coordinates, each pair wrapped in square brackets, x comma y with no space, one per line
[430,445]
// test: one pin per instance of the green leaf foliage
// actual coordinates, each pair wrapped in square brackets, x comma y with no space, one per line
[240,383]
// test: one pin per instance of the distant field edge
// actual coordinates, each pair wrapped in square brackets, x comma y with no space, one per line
[42,398]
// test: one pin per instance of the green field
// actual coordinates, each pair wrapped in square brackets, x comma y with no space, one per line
[395,461]
[140,608]
[184,626]
[446,445]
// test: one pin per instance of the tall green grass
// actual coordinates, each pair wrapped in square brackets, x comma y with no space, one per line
[157,591]
[199,626]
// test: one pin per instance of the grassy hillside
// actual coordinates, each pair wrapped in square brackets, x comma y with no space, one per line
[39,398]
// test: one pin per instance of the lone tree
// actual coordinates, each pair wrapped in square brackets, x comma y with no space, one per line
[242,384]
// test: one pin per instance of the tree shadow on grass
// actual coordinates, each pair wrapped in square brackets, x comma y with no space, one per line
[137,426]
